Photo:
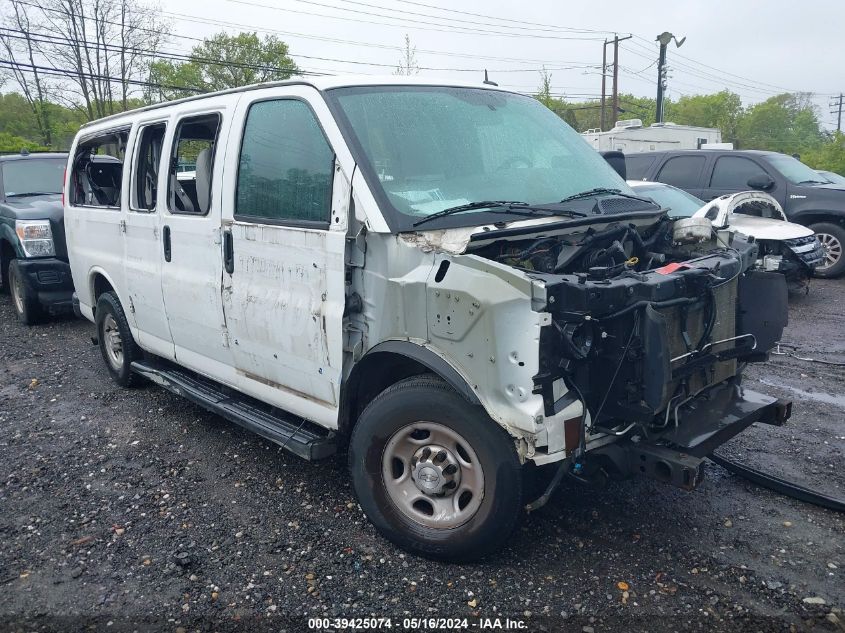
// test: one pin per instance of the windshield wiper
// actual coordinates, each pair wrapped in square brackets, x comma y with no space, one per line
[506,207]
[603,190]
[32,193]
[471,206]
[814,182]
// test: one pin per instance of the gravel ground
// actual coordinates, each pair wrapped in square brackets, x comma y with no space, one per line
[133,509]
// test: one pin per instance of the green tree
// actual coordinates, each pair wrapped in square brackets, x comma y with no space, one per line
[721,110]
[556,104]
[830,155]
[223,61]
[17,119]
[784,123]
[12,143]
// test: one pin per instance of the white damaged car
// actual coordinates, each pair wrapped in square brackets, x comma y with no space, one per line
[785,247]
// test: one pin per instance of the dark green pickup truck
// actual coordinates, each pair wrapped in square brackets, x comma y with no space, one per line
[33,253]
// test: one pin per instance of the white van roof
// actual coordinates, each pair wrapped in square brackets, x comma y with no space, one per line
[320,83]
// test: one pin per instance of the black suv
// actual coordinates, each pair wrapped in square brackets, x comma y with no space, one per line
[805,196]
[33,254]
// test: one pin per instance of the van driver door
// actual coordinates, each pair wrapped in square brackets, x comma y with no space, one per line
[284,230]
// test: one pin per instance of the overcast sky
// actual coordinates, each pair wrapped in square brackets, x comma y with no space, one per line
[756,49]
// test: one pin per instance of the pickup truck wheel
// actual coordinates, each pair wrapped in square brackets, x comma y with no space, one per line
[4,272]
[117,346]
[24,300]
[832,237]
[434,473]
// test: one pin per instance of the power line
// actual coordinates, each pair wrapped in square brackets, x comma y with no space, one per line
[722,78]
[444,28]
[188,57]
[479,15]
[564,65]
[55,40]
[436,17]
[778,89]
[73,73]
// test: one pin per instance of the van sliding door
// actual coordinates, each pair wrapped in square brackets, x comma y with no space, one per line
[142,235]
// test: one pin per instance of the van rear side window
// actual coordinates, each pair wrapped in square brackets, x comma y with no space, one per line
[285,170]
[97,170]
[145,174]
[191,164]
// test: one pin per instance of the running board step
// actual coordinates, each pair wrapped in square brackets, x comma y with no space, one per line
[298,436]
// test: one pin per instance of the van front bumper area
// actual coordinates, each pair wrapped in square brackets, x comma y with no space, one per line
[676,454]
[50,280]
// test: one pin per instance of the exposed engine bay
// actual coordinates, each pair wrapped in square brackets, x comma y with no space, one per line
[648,315]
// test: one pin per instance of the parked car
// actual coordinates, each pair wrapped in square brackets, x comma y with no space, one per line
[804,195]
[447,279]
[784,247]
[33,256]
[831,176]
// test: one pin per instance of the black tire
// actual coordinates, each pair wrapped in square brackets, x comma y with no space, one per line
[4,270]
[24,299]
[834,236]
[429,399]
[111,321]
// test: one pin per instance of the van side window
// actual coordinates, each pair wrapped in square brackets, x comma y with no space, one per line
[191,165]
[733,172]
[681,171]
[144,185]
[97,170]
[286,165]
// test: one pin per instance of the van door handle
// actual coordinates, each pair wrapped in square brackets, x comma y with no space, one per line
[228,252]
[165,238]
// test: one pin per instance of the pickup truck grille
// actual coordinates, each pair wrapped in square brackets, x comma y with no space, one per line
[808,249]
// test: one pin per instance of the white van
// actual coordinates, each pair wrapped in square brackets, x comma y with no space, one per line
[446,279]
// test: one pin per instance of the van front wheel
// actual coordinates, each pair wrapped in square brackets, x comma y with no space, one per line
[117,346]
[434,473]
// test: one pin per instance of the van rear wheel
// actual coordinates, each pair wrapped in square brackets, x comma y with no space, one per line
[117,346]
[434,473]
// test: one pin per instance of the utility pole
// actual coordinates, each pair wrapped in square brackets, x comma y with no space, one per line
[837,105]
[664,39]
[615,95]
[603,82]
[616,41]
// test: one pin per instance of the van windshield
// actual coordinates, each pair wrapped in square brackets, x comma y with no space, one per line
[432,148]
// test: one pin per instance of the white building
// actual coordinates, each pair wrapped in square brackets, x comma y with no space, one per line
[630,136]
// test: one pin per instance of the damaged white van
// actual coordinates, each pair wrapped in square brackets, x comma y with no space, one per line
[445,280]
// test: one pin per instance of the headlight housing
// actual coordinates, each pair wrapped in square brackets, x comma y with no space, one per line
[36,237]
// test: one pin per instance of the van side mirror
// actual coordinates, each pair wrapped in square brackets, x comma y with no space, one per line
[763,182]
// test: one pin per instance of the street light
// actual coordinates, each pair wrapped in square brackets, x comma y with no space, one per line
[664,39]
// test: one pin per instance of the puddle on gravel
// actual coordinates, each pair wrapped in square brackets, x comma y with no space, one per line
[827,398]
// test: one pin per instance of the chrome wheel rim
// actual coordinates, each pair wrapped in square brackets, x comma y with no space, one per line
[433,475]
[832,250]
[112,342]
[16,287]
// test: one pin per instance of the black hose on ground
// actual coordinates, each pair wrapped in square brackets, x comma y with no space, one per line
[780,485]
